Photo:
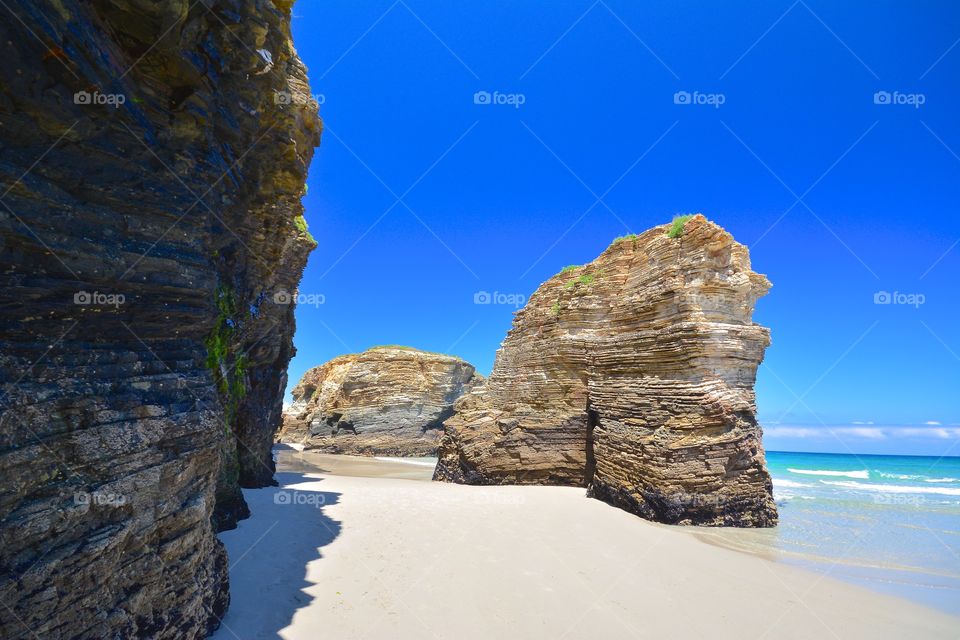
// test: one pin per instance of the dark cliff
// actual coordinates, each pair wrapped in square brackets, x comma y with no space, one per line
[152,160]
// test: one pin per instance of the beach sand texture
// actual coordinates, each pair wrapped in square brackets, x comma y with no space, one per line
[395,556]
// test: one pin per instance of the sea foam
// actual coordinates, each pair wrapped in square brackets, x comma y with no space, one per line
[892,488]
[861,475]
[789,484]
[901,476]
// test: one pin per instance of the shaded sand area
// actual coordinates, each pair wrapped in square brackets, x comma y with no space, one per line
[396,556]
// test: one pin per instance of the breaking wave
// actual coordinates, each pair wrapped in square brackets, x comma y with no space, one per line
[893,488]
[861,475]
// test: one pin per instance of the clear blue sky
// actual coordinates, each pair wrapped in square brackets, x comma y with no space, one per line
[838,196]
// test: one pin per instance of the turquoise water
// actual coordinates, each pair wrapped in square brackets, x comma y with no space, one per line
[891,523]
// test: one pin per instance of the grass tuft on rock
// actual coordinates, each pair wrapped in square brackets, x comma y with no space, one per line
[586,280]
[404,347]
[394,346]
[676,229]
[301,224]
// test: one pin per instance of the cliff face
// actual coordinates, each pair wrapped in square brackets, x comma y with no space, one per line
[152,156]
[384,401]
[633,376]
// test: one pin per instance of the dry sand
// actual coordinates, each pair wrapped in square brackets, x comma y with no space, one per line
[343,556]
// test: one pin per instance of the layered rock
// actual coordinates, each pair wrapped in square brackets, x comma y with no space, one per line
[385,401]
[153,158]
[633,376]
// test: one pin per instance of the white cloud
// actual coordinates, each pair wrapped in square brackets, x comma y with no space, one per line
[862,433]
[871,433]
[933,422]
[793,432]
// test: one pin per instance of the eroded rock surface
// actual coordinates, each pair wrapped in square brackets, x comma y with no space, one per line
[633,376]
[384,401]
[152,159]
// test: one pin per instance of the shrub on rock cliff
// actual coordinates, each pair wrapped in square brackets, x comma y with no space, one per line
[676,227]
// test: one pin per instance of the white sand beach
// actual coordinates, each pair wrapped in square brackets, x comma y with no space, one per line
[346,556]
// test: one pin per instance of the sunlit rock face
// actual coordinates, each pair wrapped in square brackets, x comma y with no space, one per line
[389,401]
[633,376]
[153,159]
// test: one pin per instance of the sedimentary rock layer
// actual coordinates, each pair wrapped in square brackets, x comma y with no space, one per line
[633,376]
[384,401]
[152,158]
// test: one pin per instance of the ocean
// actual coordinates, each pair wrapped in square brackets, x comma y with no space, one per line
[890,523]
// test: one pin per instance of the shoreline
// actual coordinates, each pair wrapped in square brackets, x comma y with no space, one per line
[397,557]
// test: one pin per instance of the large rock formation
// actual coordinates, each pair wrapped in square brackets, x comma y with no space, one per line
[384,401]
[633,376]
[153,158]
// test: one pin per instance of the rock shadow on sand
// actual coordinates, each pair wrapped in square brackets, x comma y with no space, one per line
[285,533]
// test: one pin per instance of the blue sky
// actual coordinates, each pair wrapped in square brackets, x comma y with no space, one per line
[823,135]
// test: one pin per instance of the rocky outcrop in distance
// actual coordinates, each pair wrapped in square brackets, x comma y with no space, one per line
[389,401]
[633,376]
[153,159]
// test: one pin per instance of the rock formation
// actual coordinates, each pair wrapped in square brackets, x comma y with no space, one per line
[385,401]
[153,158]
[633,376]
